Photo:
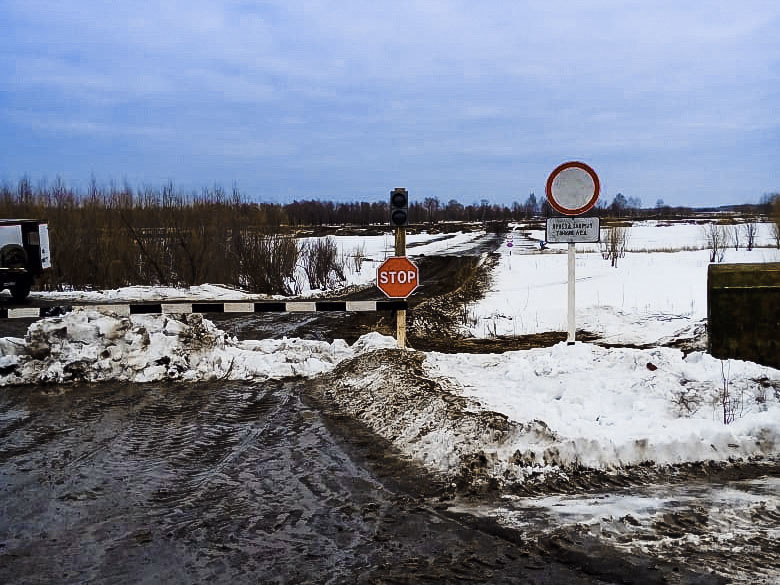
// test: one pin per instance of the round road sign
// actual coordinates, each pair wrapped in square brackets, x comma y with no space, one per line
[397,277]
[573,188]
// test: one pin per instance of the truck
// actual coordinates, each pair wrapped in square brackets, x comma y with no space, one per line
[24,254]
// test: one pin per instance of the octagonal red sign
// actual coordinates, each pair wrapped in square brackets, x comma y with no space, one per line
[397,277]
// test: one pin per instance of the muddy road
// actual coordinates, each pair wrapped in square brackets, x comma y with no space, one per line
[227,483]
[267,483]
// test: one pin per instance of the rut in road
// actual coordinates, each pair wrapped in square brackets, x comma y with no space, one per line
[221,483]
[143,483]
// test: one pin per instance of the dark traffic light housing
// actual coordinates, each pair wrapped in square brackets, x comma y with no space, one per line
[399,207]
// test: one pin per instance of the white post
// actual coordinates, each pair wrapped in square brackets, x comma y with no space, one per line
[572,263]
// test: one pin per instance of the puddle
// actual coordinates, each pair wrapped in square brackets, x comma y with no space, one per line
[729,528]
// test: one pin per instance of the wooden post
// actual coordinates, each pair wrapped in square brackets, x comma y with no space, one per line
[400,315]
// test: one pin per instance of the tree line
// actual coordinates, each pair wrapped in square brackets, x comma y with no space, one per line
[111,236]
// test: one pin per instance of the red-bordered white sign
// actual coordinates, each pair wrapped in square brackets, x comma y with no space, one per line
[573,188]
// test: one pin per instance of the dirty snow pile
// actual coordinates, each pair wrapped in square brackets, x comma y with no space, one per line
[538,414]
[87,345]
[617,407]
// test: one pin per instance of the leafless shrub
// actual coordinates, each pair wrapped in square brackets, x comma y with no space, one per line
[357,257]
[613,244]
[717,239]
[775,214]
[687,400]
[736,235]
[321,263]
[267,262]
[731,402]
[750,230]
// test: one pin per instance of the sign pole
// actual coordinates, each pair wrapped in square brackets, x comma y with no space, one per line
[572,280]
[400,315]
[572,189]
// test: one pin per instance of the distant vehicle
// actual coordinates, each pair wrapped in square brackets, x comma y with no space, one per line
[24,254]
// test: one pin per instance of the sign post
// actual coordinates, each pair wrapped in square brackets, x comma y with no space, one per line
[398,277]
[572,189]
[399,218]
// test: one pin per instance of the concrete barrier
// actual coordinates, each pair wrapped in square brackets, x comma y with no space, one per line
[743,312]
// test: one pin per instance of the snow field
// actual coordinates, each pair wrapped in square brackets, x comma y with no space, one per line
[610,408]
[372,250]
[647,298]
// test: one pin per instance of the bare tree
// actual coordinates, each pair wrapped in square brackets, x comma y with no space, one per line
[431,205]
[750,235]
[321,263]
[776,219]
[736,233]
[717,238]
[613,244]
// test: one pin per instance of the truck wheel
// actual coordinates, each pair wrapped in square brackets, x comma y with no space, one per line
[13,256]
[20,291]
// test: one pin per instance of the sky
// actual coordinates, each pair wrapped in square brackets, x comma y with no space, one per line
[346,100]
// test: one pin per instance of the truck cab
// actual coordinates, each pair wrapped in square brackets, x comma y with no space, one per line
[24,254]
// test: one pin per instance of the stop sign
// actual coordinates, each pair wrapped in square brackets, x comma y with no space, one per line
[397,277]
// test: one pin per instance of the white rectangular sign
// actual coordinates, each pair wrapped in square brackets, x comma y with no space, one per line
[43,239]
[568,230]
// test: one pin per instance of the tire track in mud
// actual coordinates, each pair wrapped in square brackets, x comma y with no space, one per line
[226,483]
[169,483]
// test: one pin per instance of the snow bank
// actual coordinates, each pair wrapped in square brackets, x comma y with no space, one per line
[86,345]
[607,408]
[536,416]
[499,418]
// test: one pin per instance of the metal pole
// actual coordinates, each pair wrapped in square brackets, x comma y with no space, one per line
[400,315]
[572,279]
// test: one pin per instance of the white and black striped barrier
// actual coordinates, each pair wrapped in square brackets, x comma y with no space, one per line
[179,308]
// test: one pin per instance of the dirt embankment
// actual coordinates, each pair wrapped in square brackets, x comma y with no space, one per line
[477,451]
[429,441]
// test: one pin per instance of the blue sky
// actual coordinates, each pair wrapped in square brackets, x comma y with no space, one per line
[668,100]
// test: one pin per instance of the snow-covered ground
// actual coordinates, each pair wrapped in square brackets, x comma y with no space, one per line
[649,296]
[610,408]
[361,255]
[568,406]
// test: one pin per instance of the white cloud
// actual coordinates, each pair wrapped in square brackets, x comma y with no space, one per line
[380,80]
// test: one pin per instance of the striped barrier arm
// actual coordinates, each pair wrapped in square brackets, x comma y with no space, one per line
[209,307]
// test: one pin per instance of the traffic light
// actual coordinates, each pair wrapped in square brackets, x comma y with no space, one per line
[399,207]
